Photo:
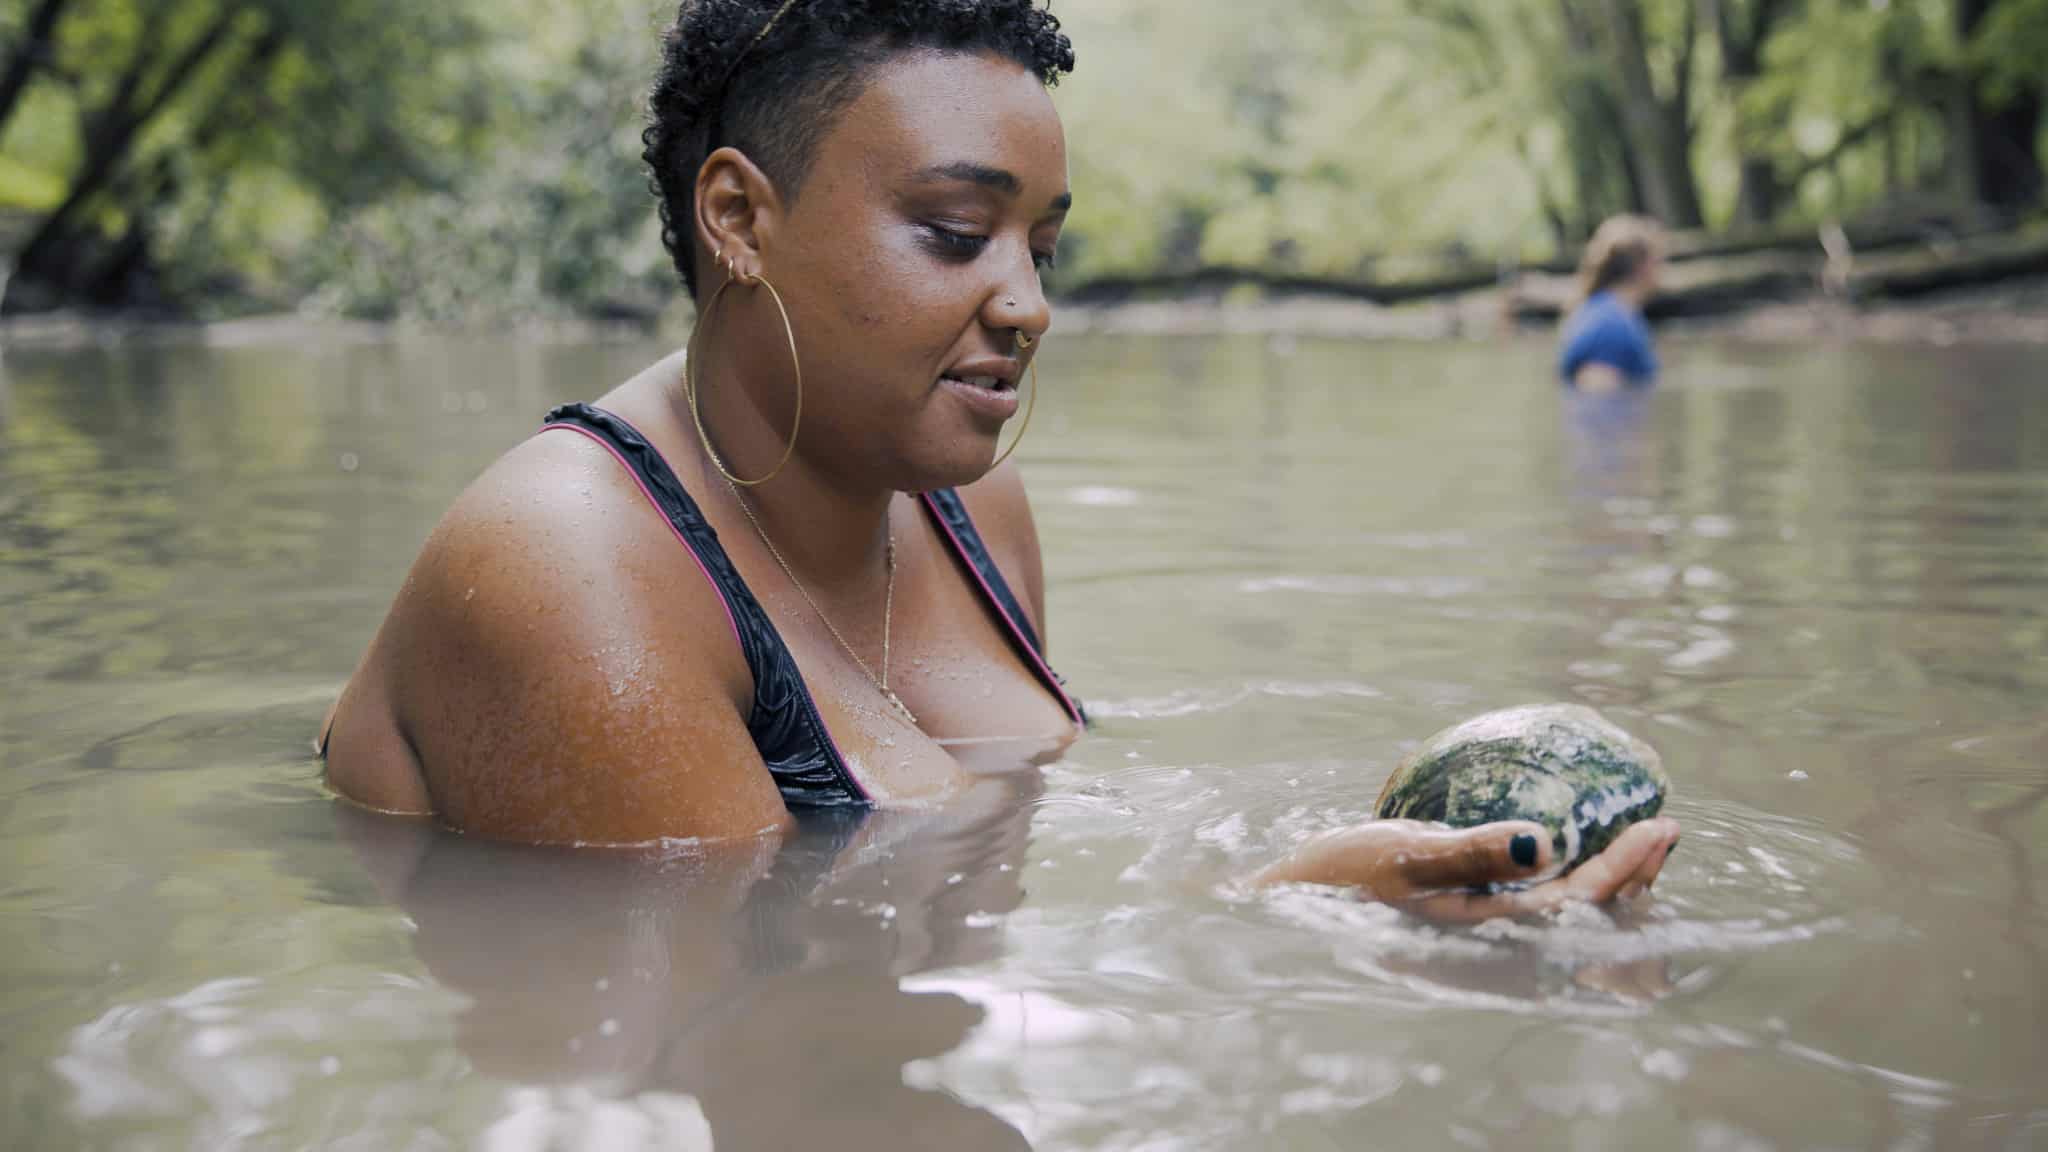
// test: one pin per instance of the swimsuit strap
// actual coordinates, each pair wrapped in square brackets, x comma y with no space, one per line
[784,720]
[956,527]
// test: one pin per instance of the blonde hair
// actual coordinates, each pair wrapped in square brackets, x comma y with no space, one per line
[1620,247]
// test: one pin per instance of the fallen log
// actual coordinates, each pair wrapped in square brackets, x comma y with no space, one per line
[1738,267]
[1973,265]
[1701,288]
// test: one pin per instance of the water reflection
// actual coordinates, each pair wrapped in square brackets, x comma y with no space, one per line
[763,984]
[1817,580]
[1609,455]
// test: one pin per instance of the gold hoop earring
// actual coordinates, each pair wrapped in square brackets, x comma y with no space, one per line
[690,377]
[1026,426]
[1025,342]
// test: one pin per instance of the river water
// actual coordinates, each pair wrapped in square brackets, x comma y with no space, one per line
[1816,579]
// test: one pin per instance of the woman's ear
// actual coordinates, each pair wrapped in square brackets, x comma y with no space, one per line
[737,210]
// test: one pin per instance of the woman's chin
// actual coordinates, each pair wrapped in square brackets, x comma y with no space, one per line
[929,471]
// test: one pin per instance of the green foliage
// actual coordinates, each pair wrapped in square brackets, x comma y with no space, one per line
[2012,48]
[216,136]
[476,157]
[556,215]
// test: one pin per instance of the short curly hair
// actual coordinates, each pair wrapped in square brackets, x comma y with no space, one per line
[776,99]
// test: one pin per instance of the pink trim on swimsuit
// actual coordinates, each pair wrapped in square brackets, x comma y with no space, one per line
[731,620]
[860,790]
[1045,672]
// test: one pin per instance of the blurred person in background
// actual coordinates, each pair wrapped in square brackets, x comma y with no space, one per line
[1606,342]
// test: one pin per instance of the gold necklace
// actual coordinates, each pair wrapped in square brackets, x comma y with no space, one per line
[881,682]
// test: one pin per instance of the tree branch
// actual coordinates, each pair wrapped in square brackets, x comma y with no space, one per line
[1681,97]
[1809,165]
[31,53]
[1765,22]
[115,128]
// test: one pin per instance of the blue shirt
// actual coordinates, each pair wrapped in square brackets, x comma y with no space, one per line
[1607,331]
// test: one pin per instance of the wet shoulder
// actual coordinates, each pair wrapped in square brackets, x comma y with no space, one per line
[565,672]
[558,529]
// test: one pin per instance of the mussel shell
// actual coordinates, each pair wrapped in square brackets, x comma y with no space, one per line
[1563,766]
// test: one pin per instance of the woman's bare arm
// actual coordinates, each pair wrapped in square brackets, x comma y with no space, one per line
[562,670]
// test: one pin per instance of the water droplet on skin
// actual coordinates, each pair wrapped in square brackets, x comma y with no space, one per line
[469,595]
[608,1028]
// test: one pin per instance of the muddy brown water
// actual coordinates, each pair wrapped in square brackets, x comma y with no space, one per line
[1816,579]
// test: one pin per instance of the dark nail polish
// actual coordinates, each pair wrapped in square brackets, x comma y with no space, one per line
[1523,849]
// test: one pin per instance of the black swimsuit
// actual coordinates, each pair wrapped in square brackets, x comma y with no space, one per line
[784,722]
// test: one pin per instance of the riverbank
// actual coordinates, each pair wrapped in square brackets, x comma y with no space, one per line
[2009,312]
[71,329]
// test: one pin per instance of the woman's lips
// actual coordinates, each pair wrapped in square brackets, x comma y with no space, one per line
[988,396]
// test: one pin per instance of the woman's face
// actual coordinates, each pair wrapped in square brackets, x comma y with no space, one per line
[1652,274]
[911,260]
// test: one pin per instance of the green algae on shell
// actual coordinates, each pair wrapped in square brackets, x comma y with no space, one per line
[1563,766]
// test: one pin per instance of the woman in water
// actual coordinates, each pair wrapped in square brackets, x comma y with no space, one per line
[1606,343]
[790,570]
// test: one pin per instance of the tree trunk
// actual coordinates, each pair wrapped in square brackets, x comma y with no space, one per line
[1997,152]
[1604,166]
[1659,133]
[34,48]
[2007,165]
[130,261]
[114,131]
[1742,48]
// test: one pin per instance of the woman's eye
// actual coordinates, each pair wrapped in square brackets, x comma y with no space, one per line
[956,245]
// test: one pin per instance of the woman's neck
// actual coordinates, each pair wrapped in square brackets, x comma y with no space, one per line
[830,528]
[1633,293]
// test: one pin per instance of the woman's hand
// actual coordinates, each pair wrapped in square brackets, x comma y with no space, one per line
[1441,872]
